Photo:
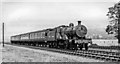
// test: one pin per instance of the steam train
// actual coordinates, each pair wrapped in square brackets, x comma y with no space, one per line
[65,37]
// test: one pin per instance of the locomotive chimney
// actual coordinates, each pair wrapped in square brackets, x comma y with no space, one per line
[79,22]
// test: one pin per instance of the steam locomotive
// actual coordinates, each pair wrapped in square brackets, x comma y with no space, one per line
[65,37]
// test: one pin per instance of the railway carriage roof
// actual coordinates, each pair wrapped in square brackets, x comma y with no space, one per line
[49,29]
[29,32]
[32,32]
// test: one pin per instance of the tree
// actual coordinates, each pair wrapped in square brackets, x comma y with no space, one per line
[114,17]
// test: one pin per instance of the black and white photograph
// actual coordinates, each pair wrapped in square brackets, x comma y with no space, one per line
[44,31]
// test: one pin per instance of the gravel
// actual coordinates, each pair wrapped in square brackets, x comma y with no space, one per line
[21,54]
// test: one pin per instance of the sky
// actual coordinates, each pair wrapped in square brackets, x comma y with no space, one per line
[21,16]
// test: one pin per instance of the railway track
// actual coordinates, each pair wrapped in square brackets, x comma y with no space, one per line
[96,54]
[105,47]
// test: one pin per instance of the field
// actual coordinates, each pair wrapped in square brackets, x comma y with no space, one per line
[21,54]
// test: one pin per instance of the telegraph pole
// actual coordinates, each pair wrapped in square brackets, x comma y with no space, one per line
[3,34]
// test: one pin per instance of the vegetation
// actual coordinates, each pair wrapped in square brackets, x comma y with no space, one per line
[113,15]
